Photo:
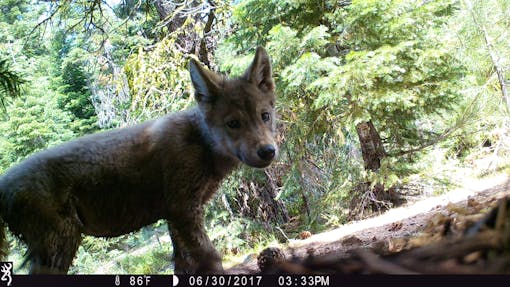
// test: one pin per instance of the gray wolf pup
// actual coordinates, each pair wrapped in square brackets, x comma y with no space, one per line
[115,182]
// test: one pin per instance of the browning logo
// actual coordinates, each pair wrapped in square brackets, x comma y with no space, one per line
[6,269]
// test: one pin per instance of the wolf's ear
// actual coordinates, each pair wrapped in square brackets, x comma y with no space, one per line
[260,72]
[205,82]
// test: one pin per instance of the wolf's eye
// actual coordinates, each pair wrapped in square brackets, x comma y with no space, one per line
[234,124]
[266,117]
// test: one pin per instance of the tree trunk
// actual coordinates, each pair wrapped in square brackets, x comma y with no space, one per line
[174,14]
[368,196]
[372,148]
[169,13]
[257,200]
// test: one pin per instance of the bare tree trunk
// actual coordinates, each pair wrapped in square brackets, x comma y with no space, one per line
[203,51]
[107,99]
[497,67]
[372,148]
[370,196]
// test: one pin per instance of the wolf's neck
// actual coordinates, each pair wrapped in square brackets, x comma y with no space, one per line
[223,163]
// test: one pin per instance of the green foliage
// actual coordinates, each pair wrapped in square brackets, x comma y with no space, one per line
[142,252]
[155,261]
[232,233]
[158,81]
[480,29]
[75,96]
[10,82]
[254,19]
[395,86]
[35,123]
[17,251]
[390,62]
[399,72]
[420,71]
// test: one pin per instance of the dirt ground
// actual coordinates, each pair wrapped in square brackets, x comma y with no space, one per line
[396,229]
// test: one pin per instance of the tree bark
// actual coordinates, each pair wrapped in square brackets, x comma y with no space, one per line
[372,147]
[371,196]
[257,200]
[168,13]
[203,52]
[174,14]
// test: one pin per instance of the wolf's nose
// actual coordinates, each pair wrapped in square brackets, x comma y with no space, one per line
[266,152]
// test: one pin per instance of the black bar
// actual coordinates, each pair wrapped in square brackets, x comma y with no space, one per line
[91,280]
[259,280]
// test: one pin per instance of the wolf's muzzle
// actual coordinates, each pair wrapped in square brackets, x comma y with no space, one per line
[267,152]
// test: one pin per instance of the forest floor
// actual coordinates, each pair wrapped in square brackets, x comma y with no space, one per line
[396,229]
[418,222]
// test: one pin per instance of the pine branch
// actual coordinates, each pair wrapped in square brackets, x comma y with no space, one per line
[10,83]
[429,143]
[490,50]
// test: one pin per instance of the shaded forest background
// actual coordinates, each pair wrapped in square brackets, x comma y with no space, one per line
[377,101]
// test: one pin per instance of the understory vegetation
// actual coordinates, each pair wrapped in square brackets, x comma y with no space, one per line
[378,101]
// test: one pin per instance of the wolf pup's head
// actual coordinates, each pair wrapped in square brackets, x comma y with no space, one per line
[239,114]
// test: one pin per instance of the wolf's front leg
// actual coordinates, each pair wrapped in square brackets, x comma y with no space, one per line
[193,250]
